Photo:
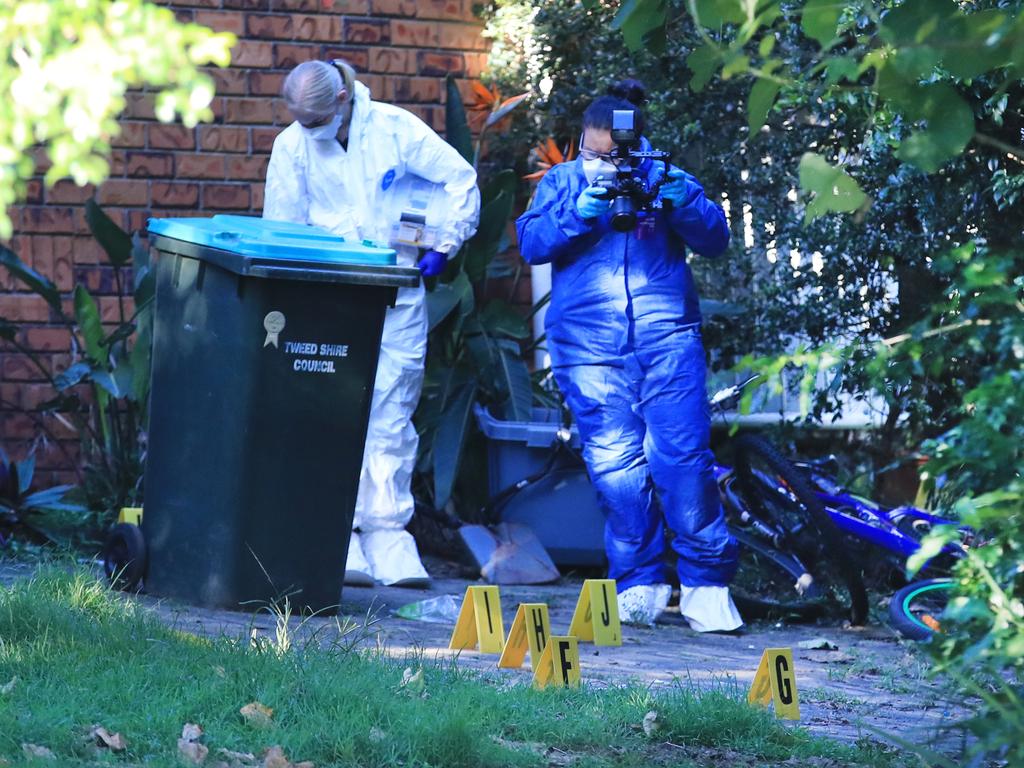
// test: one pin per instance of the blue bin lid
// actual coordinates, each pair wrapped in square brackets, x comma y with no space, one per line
[251,236]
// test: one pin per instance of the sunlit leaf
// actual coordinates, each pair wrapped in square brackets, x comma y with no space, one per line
[831,188]
[820,19]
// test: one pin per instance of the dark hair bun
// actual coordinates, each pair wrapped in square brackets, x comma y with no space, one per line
[631,90]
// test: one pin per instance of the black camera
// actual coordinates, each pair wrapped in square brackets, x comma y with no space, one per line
[629,192]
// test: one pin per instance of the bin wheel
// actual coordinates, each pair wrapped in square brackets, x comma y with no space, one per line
[124,557]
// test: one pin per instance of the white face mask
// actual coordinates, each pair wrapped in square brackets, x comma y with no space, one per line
[597,168]
[326,132]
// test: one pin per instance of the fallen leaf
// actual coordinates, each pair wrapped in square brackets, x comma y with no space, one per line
[6,688]
[651,723]
[818,644]
[191,732]
[836,657]
[34,751]
[105,738]
[413,681]
[237,757]
[220,671]
[557,757]
[193,751]
[274,758]
[377,735]
[257,715]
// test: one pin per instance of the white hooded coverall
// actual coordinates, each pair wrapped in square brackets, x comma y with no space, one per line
[312,181]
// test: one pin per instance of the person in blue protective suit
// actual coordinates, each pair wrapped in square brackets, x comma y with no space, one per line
[623,331]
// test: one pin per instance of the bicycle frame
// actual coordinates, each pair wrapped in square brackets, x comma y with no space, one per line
[875,523]
[854,515]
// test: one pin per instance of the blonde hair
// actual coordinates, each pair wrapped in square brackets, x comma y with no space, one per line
[312,87]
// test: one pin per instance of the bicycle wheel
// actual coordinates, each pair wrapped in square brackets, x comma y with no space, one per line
[914,611]
[781,495]
[124,557]
[772,585]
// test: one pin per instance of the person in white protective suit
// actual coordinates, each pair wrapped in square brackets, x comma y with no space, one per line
[372,171]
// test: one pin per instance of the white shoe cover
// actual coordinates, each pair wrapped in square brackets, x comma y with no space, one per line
[357,570]
[393,558]
[643,603]
[709,609]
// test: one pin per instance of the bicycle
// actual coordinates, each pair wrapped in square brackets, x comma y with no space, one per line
[773,579]
[771,497]
[896,530]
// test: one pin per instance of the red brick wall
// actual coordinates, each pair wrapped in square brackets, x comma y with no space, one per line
[402,50]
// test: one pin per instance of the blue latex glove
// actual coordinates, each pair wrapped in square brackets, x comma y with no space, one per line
[589,204]
[680,189]
[432,263]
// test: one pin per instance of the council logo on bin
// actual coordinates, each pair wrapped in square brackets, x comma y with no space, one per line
[274,323]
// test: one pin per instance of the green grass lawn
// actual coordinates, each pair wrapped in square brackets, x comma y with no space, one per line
[80,656]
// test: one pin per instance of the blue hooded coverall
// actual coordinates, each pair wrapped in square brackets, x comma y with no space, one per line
[623,331]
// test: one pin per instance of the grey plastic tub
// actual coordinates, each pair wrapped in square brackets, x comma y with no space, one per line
[562,509]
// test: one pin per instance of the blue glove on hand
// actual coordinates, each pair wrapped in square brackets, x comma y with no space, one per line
[589,204]
[432,263]
[680,189]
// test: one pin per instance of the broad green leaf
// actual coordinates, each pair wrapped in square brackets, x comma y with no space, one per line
[831,188]
[515,380]
[766,46]
[915,21]
[713,14]
[820,20]
[949,127]
[500,319]
[87,315]
[842,68]
[964,609]
[26,471]
[735,66]
[484,244]
[703,62]
[503,181]
[931,545]
[762,97]
[114,240]
[440,303]
[505,108]
[116,384]
[448,442]
[990,49]
[456,127]
[37,282]
[638,18]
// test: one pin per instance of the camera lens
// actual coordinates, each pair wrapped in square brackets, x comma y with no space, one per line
[623,214]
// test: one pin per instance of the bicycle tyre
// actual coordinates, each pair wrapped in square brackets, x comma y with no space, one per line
[752,452]
[912,607]
[758,561]
[124,557]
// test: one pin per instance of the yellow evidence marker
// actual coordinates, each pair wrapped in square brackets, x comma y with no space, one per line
[131,515]
[775,682]
[559,664]
[596,618]
[479,622]
[530,631]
